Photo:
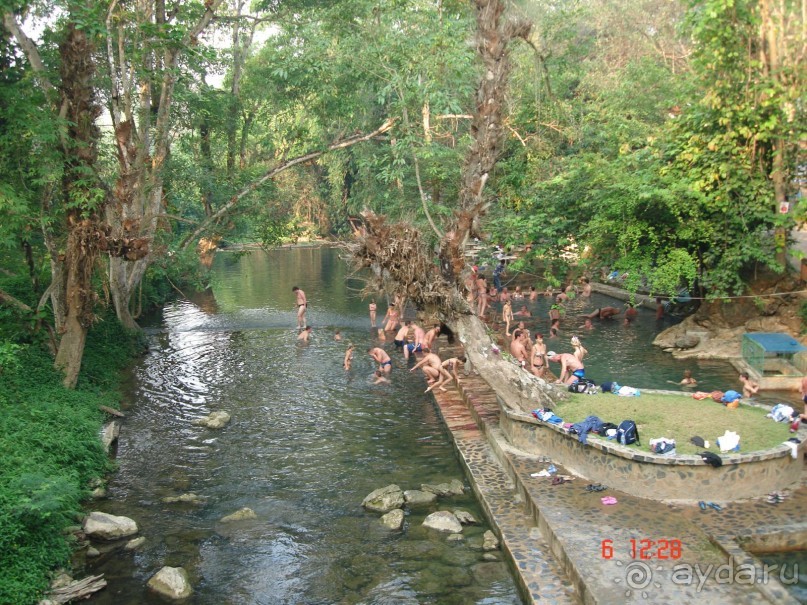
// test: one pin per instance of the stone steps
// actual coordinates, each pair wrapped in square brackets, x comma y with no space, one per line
[540,578]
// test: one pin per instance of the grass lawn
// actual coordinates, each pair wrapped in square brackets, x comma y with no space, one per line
[679,418]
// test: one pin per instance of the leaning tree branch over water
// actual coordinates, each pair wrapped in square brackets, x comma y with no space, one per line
[274,171]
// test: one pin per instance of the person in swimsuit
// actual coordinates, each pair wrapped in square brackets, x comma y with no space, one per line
[414,339]
[750,388]
[380,356]
[433,370]
[305,334]
[430,337]
[533,294]
[380,378]
[481,296]
[372,308]
[571,368]
[302,305]
[539,356]
[337,335]
[348,356]
[603,313]
[579,350]
[391,319]
[631,313]
[452,366]
[507,316]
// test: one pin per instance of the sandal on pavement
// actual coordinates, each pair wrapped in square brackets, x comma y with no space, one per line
[702,504]
[717,507]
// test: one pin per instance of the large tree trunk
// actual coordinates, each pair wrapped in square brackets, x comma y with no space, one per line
[78,96]
[403,265]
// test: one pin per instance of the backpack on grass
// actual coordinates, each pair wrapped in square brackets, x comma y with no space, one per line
[627,433]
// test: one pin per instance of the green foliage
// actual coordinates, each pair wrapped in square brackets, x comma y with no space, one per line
[50,453]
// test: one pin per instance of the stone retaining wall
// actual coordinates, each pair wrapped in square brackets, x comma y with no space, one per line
[648,475]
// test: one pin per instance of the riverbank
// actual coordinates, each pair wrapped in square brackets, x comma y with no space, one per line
[52,457]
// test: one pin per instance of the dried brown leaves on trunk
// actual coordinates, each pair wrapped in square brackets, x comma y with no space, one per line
[402,264]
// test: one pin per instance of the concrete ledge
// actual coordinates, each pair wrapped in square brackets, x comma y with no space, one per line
[676,478]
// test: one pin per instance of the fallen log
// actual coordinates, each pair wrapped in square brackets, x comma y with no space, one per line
[77,589]
[111,411]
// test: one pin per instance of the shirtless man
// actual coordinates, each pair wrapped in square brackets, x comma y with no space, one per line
[587,325]
[391,318]
[302,305]
[432,369]
[586,288]
[414,339]
[400,336]
[533,294]
[571,368]
[518,349]
[523,312]
[750,388]
[604,313]
[631,313]
[431,336]
[380,378]
[305,334]
[554,314]
[507,317]
[380,356]
[373,307]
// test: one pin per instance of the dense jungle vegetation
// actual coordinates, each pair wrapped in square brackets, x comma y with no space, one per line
[662,138]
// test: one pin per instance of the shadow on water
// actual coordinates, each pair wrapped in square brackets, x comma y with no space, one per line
[307,442]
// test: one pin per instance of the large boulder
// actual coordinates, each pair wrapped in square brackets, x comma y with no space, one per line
[171,582]
[108,527]
[216,420]
[384,499]
[443,520]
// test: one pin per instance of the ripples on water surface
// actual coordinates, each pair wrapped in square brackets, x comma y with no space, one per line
[306,443]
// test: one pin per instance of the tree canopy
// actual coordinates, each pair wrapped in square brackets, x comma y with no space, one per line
[662,139]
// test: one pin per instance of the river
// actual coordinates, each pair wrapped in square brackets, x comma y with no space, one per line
[307,442]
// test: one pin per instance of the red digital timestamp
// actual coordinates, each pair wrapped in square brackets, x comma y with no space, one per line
[645,549]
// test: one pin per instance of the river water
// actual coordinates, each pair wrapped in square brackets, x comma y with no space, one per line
[307,442]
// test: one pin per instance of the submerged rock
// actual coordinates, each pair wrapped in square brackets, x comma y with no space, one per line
[171,582]
[108,527]
[393,519]
[490,541]
[443,520]
[189,497]
[135,544]
[464,517]
[216,420]
[452,488]
[242,514]
[384,499]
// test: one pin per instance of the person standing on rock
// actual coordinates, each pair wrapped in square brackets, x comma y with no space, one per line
[302,305]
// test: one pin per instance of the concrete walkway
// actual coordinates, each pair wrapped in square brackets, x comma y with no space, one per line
[566,546]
